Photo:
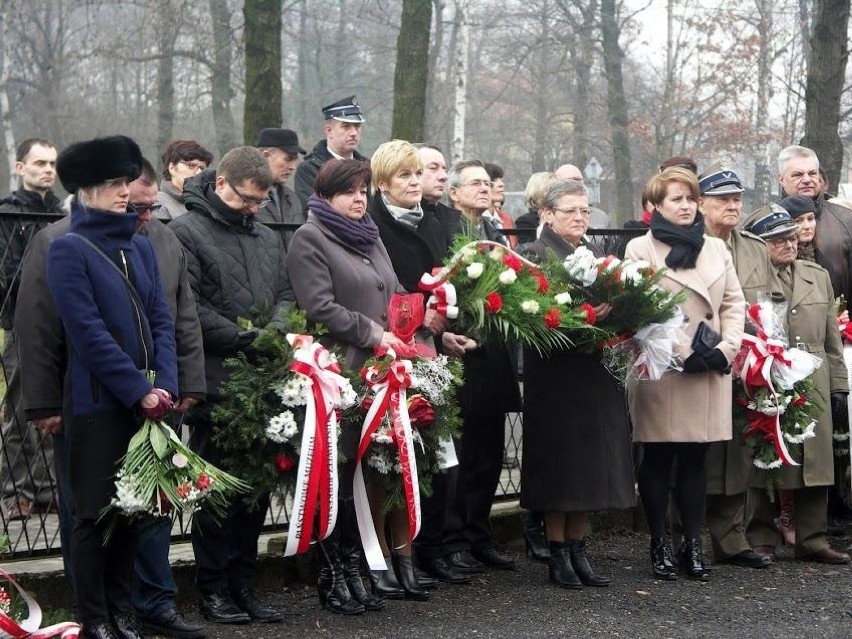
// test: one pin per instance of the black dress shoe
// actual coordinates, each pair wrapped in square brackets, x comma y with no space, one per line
[170,623]
[749,559]
[248,603]
[425,580]
[220,608]
[443,571]
[464,562]
[98,631]
[490,557]
[125,626]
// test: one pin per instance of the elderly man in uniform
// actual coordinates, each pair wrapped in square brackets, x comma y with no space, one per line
[812,326]
[728,463]
[281,149]
[342,129]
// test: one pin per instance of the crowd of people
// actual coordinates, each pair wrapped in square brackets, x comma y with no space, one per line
[140,276]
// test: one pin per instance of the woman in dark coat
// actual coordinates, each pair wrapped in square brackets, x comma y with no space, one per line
[118,326]
[577,450]
[343,279]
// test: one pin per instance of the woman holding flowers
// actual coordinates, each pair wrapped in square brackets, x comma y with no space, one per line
[676,417]
[106,285]
[577,450]
[343,279]
[812,326]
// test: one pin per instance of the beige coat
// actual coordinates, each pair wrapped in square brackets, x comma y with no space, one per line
[696,407]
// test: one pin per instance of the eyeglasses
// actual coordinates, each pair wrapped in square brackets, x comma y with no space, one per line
[781,241]
[145,208]
[193,165]
[248,200]
[478,184]
[573,212]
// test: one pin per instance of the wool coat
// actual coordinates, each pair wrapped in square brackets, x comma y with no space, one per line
[696,407]
[306,172]
[833,243]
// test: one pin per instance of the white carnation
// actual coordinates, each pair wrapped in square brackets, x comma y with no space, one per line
[508,276]
[563,298]
[529,306]
[475,270]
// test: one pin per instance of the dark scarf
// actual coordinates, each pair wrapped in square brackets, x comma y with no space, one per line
[806,252]
[686,241]
[359,234]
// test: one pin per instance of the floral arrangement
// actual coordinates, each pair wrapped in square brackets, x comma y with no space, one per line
[278,422]
[21,616]
[494,292]
[776,402]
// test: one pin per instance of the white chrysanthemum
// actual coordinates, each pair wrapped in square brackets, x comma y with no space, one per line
[294,391]
[382,437]
[431,377]
[631,273]
[770,466]
[563,298]
[508,276]
[806,433]
[530,306]
[379,463]
[582,266]
[348,396]
[127,496]
[475,270]
[282,427]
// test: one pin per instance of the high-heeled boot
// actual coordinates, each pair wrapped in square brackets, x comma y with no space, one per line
[693,559]
[352,567]
[582,567]
[535,537]
[331,585]
[386,583]
[662,559]
[785,522]
[561,569]
[404,567]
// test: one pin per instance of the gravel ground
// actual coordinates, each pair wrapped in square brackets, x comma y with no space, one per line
[789,599]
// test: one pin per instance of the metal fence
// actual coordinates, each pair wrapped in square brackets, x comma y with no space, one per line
[29,500]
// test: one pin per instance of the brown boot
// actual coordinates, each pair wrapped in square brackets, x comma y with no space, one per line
[785,523]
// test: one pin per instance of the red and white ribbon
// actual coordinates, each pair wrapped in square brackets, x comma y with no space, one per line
[29,627]
[444,300]
[316,477]
[390,400]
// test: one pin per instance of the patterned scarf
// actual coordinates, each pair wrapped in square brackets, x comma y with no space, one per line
[359,234]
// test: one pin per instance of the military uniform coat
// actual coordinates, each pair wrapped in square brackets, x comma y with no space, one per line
[695,407]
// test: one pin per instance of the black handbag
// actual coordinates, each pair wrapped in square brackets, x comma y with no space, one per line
[705,339]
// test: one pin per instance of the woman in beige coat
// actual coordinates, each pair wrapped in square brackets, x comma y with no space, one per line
[676,417]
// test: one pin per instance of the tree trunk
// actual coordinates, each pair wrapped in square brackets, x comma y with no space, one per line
[412,71]
[617,111]
[435,45]
[462,28]
[826,74]
[764,94]
[5,111]
[166,33]
[220,79]
[263,67]
[304,118]
[583,82]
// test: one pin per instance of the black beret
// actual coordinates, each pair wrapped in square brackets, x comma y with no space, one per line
[93,162]
[797,205]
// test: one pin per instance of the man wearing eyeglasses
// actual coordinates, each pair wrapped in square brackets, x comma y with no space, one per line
[42,348]
[236,267]
[729,463]
[342,129]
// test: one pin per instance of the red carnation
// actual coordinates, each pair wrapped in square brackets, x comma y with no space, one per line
[553,318]
[493,302]
[589,310]
[800,400]
[284,464]
[543,284]
[512,262]
[203,482]
[366,403]
[420,411]
[607,261]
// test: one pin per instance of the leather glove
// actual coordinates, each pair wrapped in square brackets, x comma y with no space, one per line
[713,361]
[162,408]
[839,411]
[716,361]
[246,339]
[695,364]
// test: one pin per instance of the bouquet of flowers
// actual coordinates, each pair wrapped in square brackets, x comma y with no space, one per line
[493,291]
[645,316]
[776,403]
[159,475]
[278,423]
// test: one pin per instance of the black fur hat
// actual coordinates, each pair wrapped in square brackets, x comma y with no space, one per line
[95,161]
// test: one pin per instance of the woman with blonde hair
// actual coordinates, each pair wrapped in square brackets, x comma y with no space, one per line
[534,195]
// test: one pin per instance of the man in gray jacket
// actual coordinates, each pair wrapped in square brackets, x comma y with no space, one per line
[42,348]
[281,149]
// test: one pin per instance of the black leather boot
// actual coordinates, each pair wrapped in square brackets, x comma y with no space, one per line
[561,569]
[404,567]
[386,583]
[333,592]
[692,560]
[535,537]
[582,567]
[355,581]
[662,559]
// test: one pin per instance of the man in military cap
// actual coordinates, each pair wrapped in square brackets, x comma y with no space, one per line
[728,463]
[342,130]
[281,149]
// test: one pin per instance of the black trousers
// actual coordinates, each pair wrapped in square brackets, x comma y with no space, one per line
[433,512]
[480,453]
[102,572]
[226,550]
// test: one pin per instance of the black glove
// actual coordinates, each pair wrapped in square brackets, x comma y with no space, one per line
[695,363]
[839,411]
[246,338]
[716,361]
[713,361]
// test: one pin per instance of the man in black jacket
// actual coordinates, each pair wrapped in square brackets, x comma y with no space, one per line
[281,149]
[42,347]
[236,266]
[26,468]
[342,130]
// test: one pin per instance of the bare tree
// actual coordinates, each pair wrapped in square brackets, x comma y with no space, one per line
[412,70]
[5,111]
[461,27]
[263,66]
[220,77]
